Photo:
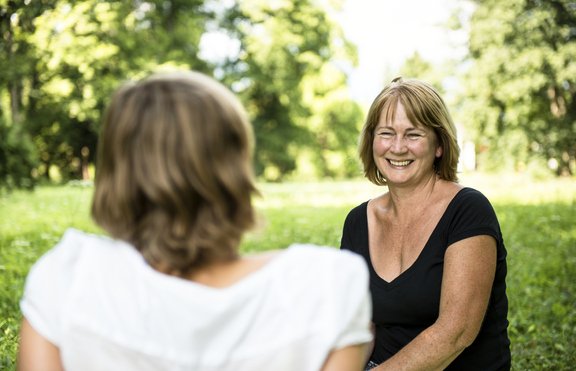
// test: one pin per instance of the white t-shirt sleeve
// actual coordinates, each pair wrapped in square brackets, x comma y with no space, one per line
[48,284]
[357,330]
[354,300]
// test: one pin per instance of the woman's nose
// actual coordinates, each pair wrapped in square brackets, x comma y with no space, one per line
[398,145]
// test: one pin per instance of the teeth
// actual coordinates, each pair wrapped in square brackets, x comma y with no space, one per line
[399,163]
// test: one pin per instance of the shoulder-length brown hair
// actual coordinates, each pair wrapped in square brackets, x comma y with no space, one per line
[423,106]
[174,172]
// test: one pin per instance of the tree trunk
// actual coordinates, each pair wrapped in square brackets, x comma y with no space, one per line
[15,102]
[14,91]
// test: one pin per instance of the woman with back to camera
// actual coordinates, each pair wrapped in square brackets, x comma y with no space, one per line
[434,248]
[173,188]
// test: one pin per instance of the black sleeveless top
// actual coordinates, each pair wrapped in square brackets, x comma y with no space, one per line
[403,308]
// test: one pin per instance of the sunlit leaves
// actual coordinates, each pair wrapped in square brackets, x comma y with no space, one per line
[522,78]
[67,56]
[286,74]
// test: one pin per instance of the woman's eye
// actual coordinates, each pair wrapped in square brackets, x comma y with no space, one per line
[386,134]
[413,136]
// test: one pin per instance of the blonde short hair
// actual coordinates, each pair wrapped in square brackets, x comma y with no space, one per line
[174,170]
[424,106]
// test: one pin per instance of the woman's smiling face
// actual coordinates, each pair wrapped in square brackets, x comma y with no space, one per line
[403,152]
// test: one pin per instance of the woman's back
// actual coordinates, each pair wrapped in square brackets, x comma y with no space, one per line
[174,180]
[106,308]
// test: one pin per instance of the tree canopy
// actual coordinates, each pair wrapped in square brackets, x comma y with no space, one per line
[520,89]
[61,59]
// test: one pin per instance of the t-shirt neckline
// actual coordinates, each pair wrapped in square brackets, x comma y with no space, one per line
[409,271]
[248,280]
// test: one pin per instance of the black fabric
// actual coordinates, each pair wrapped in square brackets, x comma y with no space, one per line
[403,308]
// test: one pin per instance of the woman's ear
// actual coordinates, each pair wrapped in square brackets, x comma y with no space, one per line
[439,151]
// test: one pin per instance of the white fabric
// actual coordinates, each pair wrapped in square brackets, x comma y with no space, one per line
[106,309]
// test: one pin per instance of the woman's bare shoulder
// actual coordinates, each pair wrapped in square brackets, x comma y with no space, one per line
[379,202]
[446,190]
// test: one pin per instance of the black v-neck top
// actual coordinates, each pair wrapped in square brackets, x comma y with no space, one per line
[410,303]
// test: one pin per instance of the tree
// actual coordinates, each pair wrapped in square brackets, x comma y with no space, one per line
[417,68]
[285,48]
[17,155]
[17,158]
[520,90]
[88,48]
[67,56]
[334,122]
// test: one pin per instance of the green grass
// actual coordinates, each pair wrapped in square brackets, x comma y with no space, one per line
[538,220]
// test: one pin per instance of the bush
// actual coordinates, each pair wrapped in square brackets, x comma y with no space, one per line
[17,158]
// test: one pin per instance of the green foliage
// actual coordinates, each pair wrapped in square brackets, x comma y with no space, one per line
[17,158]
[9,330]
[537,219]
[287,77]
[522,81]
[60,60]
[82,50]
[417,68]
[334,123]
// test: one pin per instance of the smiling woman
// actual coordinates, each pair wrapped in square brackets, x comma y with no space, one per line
[434,248]
[403,151]
[400,107]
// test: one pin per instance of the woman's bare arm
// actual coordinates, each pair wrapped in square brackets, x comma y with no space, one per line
[369,349]
[350,358]
[35,352]
[469,269]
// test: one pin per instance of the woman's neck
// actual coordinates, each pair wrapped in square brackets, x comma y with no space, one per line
[221,274]
[411,198]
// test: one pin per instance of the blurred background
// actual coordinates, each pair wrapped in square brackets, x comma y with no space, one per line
[306,71]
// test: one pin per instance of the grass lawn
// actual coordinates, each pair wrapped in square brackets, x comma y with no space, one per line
[538,220]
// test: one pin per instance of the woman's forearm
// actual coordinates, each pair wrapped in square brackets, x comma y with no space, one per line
[431,350]
[370,345]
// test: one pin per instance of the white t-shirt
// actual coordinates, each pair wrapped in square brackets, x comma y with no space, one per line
[107,309]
